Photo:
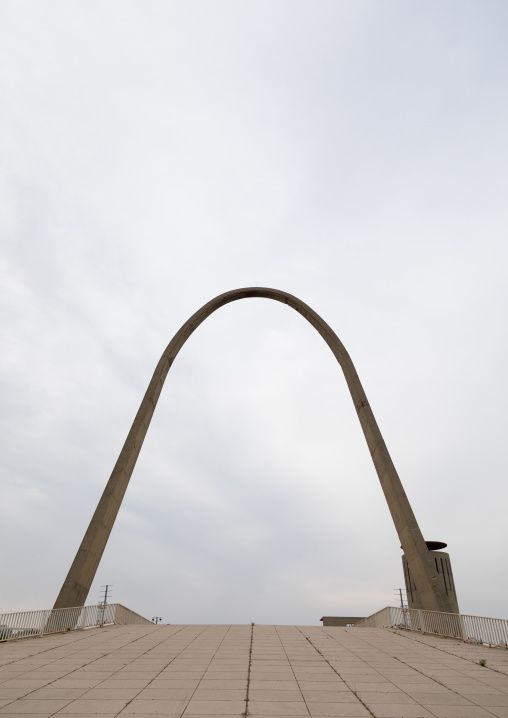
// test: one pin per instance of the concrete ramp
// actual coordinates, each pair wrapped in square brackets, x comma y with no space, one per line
[232,670]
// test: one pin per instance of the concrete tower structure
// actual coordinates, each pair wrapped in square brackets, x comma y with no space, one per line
[426,583]
[444,577]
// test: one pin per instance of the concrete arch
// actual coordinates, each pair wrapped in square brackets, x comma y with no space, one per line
[81,574]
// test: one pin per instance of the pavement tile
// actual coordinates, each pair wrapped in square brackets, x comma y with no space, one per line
[90,707]
[468,690]
[125,683]
[338,709]
[369,697]
[134,673]
[476,673]
[329,696]
[486,700]
[174,675]
[419,688]
[108,694]
[273,694]
[402,671]
[46,675]
[153,707]
[500,682]
[444,699]
[413,678]
[374,687]
[460,712]
[216,707]
[75,683]
[319,677]
[255,676]
[282,685]
[57,693]
[277,708]
[222,684]
[460,681]
[86,676]
[360,671]
[364,678]
[398,710]
[36,706]
[204,694]
[218,675]
[20,683]
[14,693]
[322,667]
[167,694]
[92,670]
[336,685]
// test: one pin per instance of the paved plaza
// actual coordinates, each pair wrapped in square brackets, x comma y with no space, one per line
[199,671]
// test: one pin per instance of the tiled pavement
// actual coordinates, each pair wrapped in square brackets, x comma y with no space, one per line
[214,671]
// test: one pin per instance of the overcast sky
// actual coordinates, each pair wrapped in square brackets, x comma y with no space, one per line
[156,154]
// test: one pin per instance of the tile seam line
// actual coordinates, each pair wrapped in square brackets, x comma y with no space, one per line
[248,671]
[71,672]
[429,709]
[336,671]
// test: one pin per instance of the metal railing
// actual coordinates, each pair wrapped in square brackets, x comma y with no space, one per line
[472,629]
[40,623]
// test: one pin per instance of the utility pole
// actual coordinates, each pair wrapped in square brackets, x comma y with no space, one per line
[400,590]
[156,619]
[403,605]
[103,603]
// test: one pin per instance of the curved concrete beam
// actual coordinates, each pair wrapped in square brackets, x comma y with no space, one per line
[81,574]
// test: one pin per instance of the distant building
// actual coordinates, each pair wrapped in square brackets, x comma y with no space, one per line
[340,620]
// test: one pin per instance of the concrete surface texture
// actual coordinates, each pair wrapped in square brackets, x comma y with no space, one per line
[81,574]
[200,671]
[444,576]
